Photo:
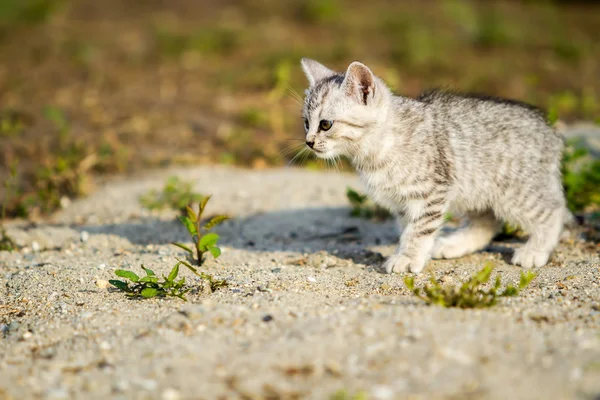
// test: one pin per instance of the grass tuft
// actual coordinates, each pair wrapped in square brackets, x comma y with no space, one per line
[362,207]
[175,195]
[469,294]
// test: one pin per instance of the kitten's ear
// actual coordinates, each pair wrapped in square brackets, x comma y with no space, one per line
[359,83]
[315,71]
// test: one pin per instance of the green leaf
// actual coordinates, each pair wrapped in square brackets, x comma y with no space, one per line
[207,241]
[216,221]
[354,197]
[119,285]
[526,279]
[215,251]
[194,270]
[409,281]
[173,273]
[202,205]
[149,279]
[132,276]
[149,292]
[184,247]
[191,213]
[149,272]
[189,225]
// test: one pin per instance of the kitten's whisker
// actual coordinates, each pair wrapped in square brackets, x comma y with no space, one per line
[291,149]
[294,95]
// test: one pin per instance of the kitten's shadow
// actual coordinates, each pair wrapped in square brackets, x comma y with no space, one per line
[301,230]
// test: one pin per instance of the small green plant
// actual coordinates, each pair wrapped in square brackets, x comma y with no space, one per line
[151,285]
[176,195]
[6,242]
[204,241]
[214,283]
[319,11]
[469,294]
[343,394]
[362,207]
[581,178]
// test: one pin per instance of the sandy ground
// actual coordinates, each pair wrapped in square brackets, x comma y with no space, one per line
[305,314]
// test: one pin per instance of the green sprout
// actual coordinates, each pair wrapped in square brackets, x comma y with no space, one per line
[469,294]
[581,177]
[176,195]
[151,285]
[6,242]
[204,241]
[362,207]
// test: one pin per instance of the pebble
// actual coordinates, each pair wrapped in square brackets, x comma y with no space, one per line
[27,335]
[148,384]
[267,318]
[84,237]
[102,284]
[101,266]
[311,279]
[170,394]
[105,346]
[57,394]
[35,247]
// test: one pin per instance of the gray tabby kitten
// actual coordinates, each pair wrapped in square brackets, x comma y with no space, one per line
[490,159]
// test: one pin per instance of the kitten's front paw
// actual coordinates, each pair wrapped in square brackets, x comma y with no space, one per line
[529,258]
[401,263]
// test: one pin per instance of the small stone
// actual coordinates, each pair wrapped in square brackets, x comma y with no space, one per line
[35,247]
[84,237]
[276,270]
[385,286]
[121,386]
[102,284]
[311,279]
[382,392]
[170,394]
[105,346]
[27,335]
[13,326]
[148,384]
[56,394]
[65,202]
[101,266]
[267,318]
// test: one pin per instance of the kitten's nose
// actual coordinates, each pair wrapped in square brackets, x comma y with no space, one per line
[310,144]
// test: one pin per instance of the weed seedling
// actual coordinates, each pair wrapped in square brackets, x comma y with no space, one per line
[176,195]
[469,294]
[214,283]
[581,178]
[204,241]
[6,242]
[151,285]
[362,207]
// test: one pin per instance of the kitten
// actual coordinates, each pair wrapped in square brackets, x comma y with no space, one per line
[491,159]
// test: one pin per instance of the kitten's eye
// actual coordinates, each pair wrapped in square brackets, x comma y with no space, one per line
[325,124]
[306,124]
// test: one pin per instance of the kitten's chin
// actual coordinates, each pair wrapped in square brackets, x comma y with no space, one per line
[326,154]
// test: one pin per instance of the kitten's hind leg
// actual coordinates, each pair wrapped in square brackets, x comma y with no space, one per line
[476,235]
[544,233]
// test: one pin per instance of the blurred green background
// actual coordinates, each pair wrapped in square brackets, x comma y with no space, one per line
[92,87]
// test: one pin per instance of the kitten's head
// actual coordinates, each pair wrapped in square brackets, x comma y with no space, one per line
[341,110]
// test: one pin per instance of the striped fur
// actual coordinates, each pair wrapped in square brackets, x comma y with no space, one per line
[491,159]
